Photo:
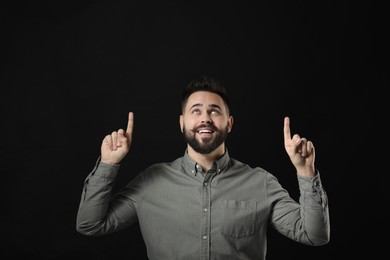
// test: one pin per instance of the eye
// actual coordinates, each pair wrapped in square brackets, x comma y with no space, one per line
[195,111]
[215,112]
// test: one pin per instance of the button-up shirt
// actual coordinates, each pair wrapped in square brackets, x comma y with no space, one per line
[185,213]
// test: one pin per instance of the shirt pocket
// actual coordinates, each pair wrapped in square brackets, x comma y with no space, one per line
[239,218]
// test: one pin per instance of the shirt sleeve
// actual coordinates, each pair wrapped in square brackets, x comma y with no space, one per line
[99,211]
[306,222]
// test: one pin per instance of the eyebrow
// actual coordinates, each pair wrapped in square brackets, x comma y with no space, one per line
[200,105]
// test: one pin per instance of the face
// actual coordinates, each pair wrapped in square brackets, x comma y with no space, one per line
[205,122]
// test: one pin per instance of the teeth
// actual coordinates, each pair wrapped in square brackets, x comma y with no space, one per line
[204,131]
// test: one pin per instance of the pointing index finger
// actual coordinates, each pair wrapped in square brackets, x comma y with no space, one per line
[130,124]
[286,129]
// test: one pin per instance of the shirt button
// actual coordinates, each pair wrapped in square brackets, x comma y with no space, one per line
[204,237]
[205,184]
[205,209]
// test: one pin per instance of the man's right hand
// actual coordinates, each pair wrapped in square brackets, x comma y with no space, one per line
[116,145]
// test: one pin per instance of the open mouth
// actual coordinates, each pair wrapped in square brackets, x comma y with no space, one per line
[205,131]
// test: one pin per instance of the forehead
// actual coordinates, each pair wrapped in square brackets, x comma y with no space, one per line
[204,98]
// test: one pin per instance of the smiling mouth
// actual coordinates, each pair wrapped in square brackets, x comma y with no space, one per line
[204,131]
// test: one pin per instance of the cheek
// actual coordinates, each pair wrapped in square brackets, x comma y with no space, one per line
[188,125]
[190,121]
[222,124]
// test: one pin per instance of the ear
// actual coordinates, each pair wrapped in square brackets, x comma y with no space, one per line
[181,122]
[230,123]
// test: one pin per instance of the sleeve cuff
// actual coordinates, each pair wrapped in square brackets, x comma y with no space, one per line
[308,183]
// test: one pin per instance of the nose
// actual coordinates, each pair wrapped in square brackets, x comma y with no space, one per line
[206,119]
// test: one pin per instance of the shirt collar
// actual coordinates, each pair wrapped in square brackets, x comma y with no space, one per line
[190,165]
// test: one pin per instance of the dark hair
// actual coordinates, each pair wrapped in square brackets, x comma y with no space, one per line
[205,83]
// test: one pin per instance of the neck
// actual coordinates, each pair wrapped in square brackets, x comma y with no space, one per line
[206,160]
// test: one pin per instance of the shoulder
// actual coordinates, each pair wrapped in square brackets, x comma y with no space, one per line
[244,167]
[252,171]
[157,169]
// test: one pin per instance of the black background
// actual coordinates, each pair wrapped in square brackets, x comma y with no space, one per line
[71,71]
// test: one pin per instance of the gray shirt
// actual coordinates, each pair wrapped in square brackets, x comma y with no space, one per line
[185,213]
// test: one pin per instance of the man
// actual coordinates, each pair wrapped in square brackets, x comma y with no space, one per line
[205,205]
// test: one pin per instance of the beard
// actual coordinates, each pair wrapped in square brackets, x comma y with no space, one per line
[207,144]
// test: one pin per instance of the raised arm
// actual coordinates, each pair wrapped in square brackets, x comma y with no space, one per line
[99,212]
